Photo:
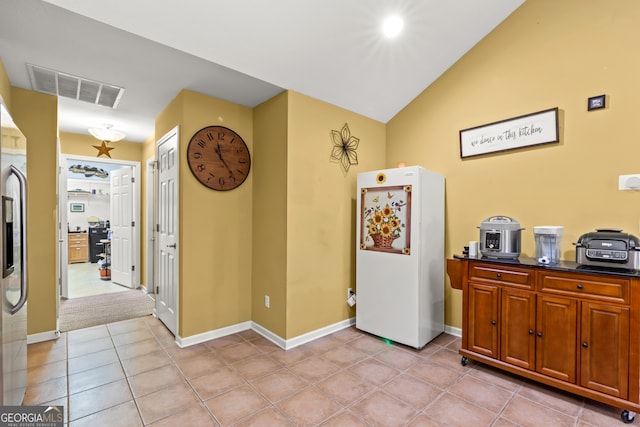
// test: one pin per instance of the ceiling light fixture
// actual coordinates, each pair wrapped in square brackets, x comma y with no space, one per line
[392,26]
[107,134]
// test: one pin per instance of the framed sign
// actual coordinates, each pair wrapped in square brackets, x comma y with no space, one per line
[76,207]
[510,134]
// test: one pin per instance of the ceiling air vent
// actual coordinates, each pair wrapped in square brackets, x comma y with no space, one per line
[74,87]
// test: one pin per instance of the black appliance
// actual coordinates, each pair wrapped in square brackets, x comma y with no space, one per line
[95,247]
[608,248]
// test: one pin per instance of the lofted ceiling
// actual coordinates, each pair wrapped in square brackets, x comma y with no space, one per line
[243,51]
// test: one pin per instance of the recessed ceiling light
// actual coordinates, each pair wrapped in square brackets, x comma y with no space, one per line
[392,26]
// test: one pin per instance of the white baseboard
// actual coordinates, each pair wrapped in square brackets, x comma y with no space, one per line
[453,331]
[304,338]
[210,335]
[43,336]
[244,326]
[318,333]
[276,339]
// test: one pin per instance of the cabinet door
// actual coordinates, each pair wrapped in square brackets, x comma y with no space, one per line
[483,319]
[517,325]
[556,337]
[77,253]
[73,254]
[604,351]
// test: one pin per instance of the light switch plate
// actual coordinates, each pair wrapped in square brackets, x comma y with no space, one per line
[629,182]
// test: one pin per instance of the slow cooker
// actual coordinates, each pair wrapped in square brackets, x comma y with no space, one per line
[500,237]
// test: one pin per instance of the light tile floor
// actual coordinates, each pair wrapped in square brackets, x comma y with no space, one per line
[84,280]
[132,373]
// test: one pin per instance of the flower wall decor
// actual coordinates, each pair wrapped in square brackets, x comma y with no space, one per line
[386,219]
[344,148]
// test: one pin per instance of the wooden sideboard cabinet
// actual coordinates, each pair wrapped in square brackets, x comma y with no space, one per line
[78,247]
[574,329]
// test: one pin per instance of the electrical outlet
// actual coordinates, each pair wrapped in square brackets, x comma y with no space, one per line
[349,292]
[266,301]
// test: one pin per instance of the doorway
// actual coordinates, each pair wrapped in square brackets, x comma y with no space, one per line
[86,203]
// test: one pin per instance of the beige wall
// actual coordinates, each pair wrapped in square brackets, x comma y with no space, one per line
[270,170]
[147,152]
[304,212]
[321,211]
[5,86]
[548,53]
[83,145]
[36,114]
[215,226]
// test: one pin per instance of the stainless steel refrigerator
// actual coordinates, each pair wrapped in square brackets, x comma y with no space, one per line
[13,254]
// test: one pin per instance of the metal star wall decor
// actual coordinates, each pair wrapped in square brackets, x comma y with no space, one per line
[344,148]
[103,149]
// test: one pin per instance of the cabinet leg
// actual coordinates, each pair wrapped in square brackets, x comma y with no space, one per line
[627,416]
[464,361]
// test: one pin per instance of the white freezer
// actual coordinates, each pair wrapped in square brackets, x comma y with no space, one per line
[400,254]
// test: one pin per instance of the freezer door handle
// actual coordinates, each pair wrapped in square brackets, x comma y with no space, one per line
[23,239]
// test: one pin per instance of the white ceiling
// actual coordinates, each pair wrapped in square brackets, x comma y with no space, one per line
[244,51]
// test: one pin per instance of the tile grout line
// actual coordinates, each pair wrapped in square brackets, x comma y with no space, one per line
[66,357]
[401,367]
[124,372]
[184,378]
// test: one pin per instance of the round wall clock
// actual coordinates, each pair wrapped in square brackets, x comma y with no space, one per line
[218,158]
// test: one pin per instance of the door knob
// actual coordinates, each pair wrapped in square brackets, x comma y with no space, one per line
[172,246]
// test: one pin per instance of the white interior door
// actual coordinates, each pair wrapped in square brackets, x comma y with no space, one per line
[167,229]
[122,262]
[63,253]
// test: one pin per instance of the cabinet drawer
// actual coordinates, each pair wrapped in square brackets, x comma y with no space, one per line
[77,238]
[511,276]
[596,287]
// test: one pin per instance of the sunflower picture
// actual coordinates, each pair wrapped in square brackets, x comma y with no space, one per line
[385,219]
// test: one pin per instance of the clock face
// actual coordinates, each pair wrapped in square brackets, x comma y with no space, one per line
[218,158]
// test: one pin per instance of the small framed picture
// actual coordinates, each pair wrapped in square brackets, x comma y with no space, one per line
[596,102]
[76,207]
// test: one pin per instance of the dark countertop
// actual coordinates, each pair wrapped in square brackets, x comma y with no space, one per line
[569,266]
